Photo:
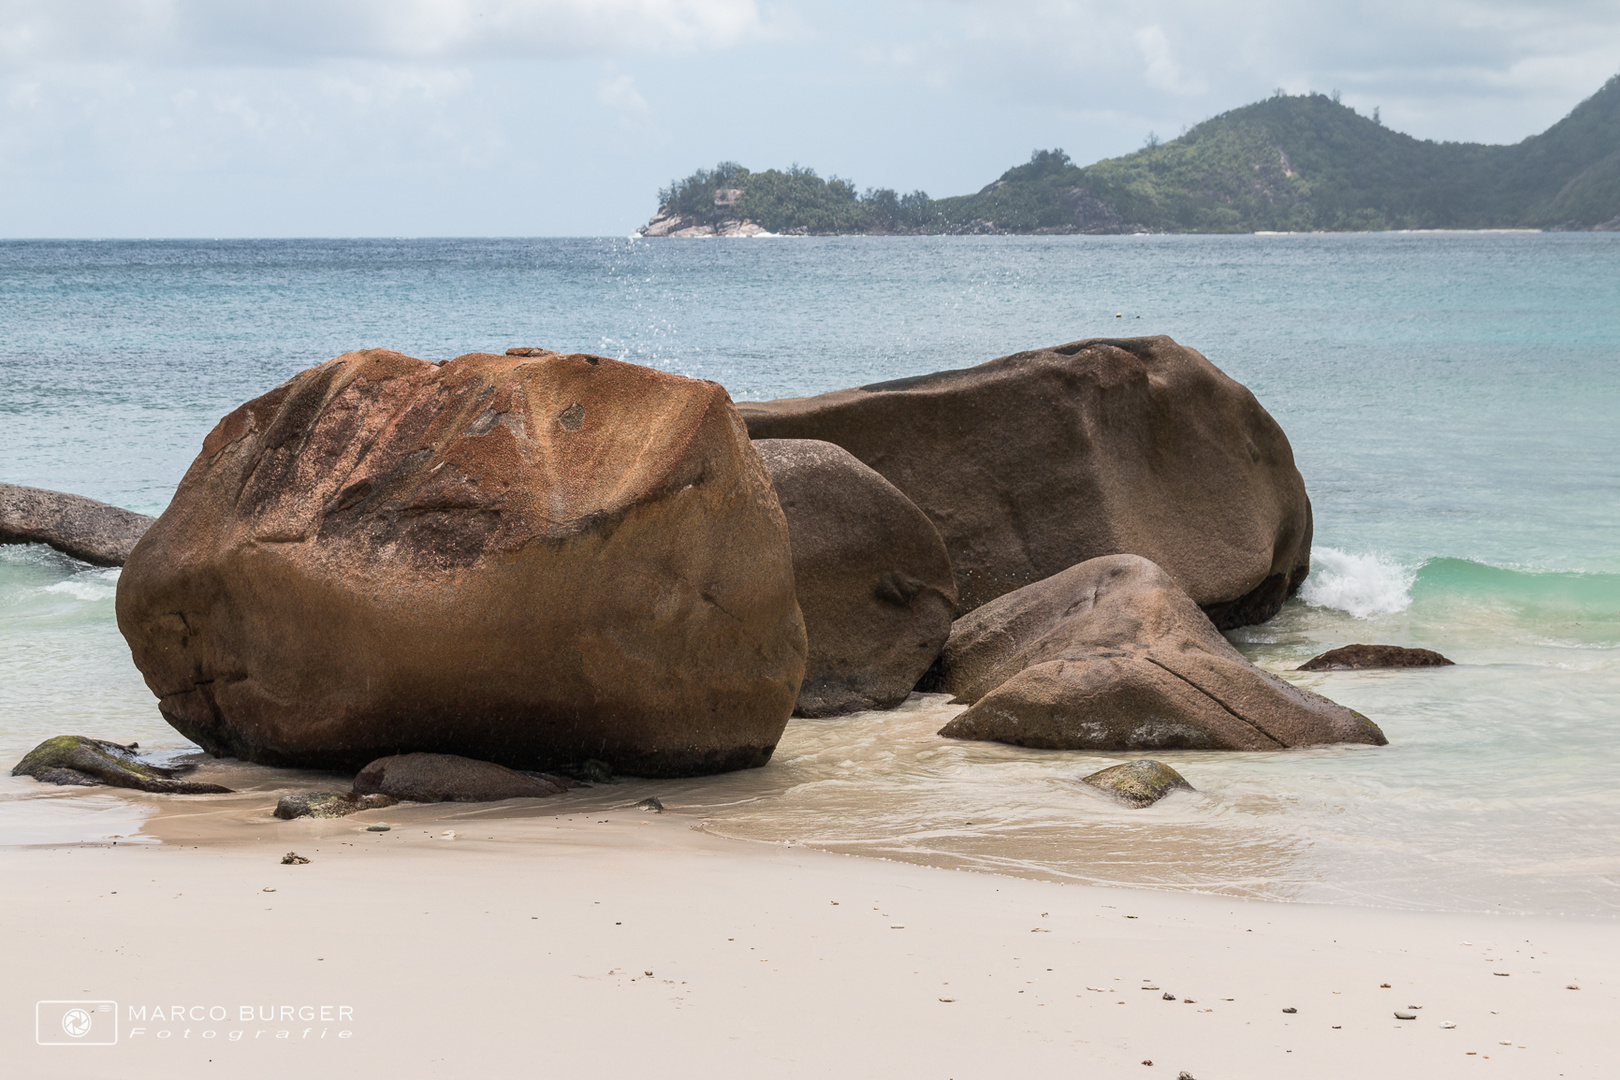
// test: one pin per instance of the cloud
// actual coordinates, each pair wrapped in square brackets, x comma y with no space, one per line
[621,93]
[1172,62]
[1162,70]
[247,117]
[277,32]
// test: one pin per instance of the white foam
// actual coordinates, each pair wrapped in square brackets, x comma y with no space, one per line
[1362,585]
[90,585]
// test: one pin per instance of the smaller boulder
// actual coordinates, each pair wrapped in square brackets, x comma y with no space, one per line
[91,531]
[1111,654]
[329,804]
[871,575]
[74,759]
[448,778]
[1138,783]
[1361,657]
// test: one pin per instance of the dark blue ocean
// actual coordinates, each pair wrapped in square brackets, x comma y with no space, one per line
[1453,401]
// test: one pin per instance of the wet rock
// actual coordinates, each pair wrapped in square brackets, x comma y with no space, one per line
[1037,461]
[1113,655]
[1359,657]
[1138,783]
[329,804]
[448,778]
[596,772]
[567,783]
[651,806]
[871,576]
[523,559]
[92,531]
[74,759]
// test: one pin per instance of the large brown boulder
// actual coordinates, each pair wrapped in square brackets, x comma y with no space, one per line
[94,532]
[871,573]
[1113,655]
[1037,461]
[533,560]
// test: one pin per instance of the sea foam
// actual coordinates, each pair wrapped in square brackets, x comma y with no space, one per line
[92,585]
[1363,585]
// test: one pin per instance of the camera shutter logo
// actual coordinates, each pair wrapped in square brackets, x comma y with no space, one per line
[76,1022]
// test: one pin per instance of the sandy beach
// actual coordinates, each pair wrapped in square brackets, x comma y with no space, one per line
[537,939]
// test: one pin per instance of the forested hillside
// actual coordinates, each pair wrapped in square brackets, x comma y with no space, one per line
[1292,162]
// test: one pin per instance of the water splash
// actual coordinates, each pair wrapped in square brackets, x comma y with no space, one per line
[1362,585]
[89,585]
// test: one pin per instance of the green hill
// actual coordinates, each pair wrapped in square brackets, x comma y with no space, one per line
[1294,163]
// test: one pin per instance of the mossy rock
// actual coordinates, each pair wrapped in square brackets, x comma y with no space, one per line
[75,759]
[1138,783]
[329,804]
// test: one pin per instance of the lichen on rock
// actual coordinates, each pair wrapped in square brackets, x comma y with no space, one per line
[75,759]
[329,804]
[1138,783]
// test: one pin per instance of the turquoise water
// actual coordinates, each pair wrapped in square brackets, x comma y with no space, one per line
[1453,401]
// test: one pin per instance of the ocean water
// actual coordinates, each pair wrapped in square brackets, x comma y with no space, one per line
[1453,401]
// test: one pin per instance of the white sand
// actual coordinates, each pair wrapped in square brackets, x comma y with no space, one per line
[520,948]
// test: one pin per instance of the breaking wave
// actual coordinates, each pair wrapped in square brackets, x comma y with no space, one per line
[1363,585]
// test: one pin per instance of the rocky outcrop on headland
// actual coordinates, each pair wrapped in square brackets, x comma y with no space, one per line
[532,560]
[665,223]
[1363,657]
[1113,655]
[1032,463]
[871,573]
[76,760]
[91,531]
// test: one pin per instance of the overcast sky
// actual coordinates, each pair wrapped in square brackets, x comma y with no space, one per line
[563,117]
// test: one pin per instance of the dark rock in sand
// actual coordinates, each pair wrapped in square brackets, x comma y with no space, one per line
[74,759]
[651,805]
[871,574]
[532,560]
[1138,783]
[448,778]
[329,804]
[83,528]
[292,858]
[1113,655]
[1358,657]
[1037,461]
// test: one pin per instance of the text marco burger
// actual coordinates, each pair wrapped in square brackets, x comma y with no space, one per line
[243,1014]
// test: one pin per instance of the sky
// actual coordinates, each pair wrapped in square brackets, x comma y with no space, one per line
[196,118]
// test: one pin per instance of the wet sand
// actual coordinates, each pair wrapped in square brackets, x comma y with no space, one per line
[523,946]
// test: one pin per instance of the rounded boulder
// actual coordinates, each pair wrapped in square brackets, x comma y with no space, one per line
[871,573]
[531,560]
[1038,461]
[1112,655]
